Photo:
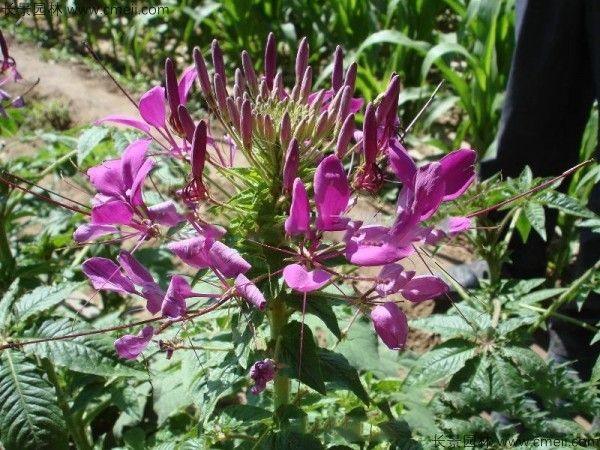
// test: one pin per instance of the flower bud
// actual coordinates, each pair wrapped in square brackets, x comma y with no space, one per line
[306,85]
[249,73]
[337,74]
[199,150]
[234,114]
[246,124]
[278,92]
[270,60]
[285,130]
[203,77]
[217,58]
[391,325]
[344,105]
[346,133]
[350,79]
[369,144]
[269,129]
[389,100]
[220,93]
[187,123]
[238,86]
[301,60]
[262,372]
[290,165]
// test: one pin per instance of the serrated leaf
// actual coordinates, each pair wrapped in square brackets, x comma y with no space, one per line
[93,354]
[523,225]
[336,368]
[564,203]
[541,295]
[446,325]
[442,362]
[514,323]
[505,379]
[536,217]
[42,298]
[6,303]
[89,139]
[310,370]
[291,440]
[320,307]
[29,415]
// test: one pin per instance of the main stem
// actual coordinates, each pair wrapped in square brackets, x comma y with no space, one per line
[281,383]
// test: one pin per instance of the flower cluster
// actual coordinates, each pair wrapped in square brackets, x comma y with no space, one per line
[8,74]
[295,146]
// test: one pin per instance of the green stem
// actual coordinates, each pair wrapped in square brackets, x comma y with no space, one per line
[6,255]
[77,433]
[281,384]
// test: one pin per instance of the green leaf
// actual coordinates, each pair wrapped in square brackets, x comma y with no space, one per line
[89,139]
[392,37]
[6,303]
[337,369]
[536,217]
[596,372]
[442,362]
[541,295]
[317,306]
[310,370]
[87,354]
[29,415]
[291,440]
[564,203]
[446,325]
[523,225]
[246,413]
[42,298]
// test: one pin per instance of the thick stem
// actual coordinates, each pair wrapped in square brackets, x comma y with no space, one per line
[281,384]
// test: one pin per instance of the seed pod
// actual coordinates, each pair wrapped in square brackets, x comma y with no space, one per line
[345,136]
[199,150]
[217,58]
[246,124]
[203,77]
[249,73]
[187,123]
[270,60]
[337,74]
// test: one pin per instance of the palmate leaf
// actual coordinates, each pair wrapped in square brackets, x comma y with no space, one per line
[41,299]
[442,362]
[29,415]
[87,354]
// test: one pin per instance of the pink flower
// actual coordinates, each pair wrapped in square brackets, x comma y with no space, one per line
[391,325]
[261,373]
[131,346]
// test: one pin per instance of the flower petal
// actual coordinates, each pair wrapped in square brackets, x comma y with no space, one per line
[299,220]
[373,245]
[458,172]
[152,107]
[107,178]
[90,231]
[130,346]
[115,212]
[401,163]
[165,213]
[332,194]
[429,190]
[301,280]
[134,269]
[192,251]
[248,290]
[174,304]
[227,260]
[423,287]
[186,81]
[391,325]
[127,121]
[105,274]
[392,278]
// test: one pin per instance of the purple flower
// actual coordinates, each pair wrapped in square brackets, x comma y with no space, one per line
[391,325]
[332,194]
[248,290]
[298,221]
[393,278]
[300,279]
[261,373]
[130,346]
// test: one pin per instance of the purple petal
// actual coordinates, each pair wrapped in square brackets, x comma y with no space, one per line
[107,178]
[261,373]
[132,160]
[227,260]
[152,107]
[332,194]
[130,346]
[174,304]
[192,251]
[391,325]
[301,280]
[429,190]
[127,121]
[402,164]
[392,278]
[248,290]
[458,172]
[90,231]
[154,296]
[424,287]
[115,212]
[373,245]
[165,213]
[299,220]
[356,105]
[134,269]
[105,274]
[186,82]
[135,194]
